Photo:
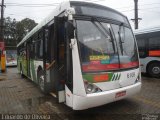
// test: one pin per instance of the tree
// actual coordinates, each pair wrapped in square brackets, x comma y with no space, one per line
[23,27]
[15,30]
[9,31]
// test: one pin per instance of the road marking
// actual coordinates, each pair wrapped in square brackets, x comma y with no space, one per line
[149,102]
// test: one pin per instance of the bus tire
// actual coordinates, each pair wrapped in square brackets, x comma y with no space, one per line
[42,83]
[154,69]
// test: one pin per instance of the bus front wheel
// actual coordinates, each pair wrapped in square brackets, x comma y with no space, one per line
[42,82]
[154,69]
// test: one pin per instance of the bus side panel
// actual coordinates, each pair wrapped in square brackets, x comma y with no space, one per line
[19,60]
[33,72]
[145,61]
[35,66]
[24,66]
[69,97]
[78,85]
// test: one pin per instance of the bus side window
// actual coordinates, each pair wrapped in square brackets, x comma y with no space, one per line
[154,43]
[51,45]
[47,45]
[32,51]
[40,45]
[142,47]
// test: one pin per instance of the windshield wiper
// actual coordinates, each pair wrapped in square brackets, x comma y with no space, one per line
[108,33]
[120,39]
[99,29]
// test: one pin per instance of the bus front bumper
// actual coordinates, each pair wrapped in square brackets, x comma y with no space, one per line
[101,98]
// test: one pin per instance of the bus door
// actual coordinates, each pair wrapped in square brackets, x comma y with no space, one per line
[58,54]
[28,48]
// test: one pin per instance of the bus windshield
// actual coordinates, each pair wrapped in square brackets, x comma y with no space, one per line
[105,46]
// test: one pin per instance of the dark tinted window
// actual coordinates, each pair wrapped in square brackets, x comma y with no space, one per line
[142,47]
[32,50]
[40,39]
[37,41]
[154,43]
[141,43]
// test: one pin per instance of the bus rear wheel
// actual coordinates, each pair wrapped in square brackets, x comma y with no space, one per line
[154,70]
[42,82]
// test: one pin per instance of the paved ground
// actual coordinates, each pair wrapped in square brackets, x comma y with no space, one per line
[21,96]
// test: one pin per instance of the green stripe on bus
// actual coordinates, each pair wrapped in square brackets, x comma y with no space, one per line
[110,76]
[88,77]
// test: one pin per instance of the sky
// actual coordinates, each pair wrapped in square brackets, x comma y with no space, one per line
[149,10]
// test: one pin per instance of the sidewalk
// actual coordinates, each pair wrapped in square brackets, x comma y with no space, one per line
[22,96]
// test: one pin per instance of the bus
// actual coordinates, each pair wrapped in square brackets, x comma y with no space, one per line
[84,53]
[11,58]
[149,50]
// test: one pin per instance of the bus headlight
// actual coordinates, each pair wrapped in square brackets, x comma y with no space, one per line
[91,88]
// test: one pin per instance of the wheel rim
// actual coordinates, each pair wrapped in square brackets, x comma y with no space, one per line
[156,70]
[41,79]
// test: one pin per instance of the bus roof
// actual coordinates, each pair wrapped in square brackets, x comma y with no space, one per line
[146,30]
[59,9]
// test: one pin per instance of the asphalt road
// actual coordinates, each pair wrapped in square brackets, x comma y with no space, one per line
[21,96]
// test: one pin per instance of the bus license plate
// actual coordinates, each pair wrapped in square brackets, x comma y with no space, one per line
[120,94]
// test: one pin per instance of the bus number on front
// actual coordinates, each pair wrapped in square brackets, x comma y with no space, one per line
[131,75]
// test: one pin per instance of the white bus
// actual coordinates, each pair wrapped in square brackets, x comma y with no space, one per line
[149,50]
[84,53]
